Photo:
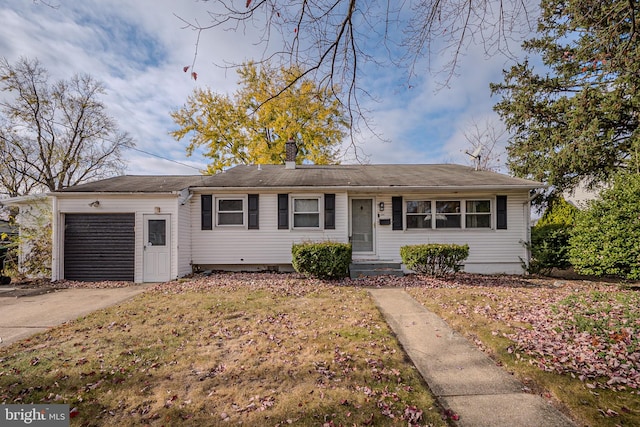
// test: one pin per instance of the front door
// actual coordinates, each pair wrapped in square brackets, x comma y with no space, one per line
[157,244]
[362,239]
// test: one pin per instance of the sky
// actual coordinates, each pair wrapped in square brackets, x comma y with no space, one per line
[138,50]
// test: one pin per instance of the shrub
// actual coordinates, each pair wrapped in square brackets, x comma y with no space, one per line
[559,211]
[606,238]
[434,259]
[549,248]
[326,260]
[549,244]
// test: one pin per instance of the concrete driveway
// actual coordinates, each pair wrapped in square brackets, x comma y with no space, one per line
[27,315]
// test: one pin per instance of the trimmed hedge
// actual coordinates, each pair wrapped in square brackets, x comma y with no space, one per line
[435,259]
[326,260]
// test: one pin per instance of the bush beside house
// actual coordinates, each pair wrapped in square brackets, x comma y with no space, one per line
[326,260]
[550,238]
[606,238]
[434,259]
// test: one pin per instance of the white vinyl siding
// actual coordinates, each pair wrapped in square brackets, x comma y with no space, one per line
[266,246]
[184,238]
[138,204]
[490,250]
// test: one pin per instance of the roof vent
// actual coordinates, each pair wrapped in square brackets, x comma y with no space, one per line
[291,151]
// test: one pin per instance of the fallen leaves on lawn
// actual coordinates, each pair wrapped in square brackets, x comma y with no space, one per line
[588,330]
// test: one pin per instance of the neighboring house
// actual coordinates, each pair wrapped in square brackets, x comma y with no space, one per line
[34,216]
[581,195]
[6,228]
[158,228]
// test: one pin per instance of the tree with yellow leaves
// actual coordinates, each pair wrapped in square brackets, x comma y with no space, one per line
[246,129]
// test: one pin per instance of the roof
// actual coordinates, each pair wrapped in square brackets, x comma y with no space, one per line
[428,177]
[7,228]
[138,184]
[29,199]
[417,176]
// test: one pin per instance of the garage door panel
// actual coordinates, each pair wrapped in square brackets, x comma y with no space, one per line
[99,247]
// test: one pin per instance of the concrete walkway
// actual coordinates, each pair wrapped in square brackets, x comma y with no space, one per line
[462,378]
[27,315]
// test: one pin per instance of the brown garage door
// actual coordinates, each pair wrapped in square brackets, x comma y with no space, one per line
[99,247]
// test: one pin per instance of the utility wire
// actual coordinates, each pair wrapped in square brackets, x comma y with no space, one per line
[164,158]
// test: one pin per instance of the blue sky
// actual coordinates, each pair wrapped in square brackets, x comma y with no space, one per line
[138,49]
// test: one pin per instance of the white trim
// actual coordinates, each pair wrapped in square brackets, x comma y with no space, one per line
[216,210]
[374,216]
[292,211]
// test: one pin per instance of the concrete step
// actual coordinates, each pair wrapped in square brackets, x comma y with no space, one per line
[374,268]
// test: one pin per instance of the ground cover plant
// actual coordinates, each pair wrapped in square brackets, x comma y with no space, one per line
[575,342]
[250,349]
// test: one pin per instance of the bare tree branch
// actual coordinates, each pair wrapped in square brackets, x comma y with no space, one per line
[54,136]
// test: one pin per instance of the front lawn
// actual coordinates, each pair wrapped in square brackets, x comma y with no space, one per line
[256,349]
[575,342]
[279,349]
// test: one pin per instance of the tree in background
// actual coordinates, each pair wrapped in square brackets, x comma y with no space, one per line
[332,41]
[485,139]
[251,127]
[54,135]
[606,238]
[576,118]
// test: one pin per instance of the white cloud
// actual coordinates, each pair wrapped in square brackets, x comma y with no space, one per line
[138,49]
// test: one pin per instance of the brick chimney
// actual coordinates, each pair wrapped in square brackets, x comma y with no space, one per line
[291,150]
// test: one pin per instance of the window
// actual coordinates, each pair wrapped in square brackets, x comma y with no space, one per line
[419,214]
[306,212]
[157,230]
[478,214]
[230,212]
[448,214]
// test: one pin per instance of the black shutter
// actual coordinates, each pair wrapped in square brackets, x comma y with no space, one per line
[396,212]
[206,211]
[283,211]
[501,212]
[330,211]
[253,212]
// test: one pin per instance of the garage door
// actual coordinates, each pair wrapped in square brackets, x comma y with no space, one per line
[99,247]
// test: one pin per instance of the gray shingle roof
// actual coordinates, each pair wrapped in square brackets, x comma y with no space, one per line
[422,176]
[138,184]
[447,176]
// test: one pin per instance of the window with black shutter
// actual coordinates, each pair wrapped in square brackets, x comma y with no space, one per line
[396,213]
[330,211]
[501,212]
[254,204]
[206,212]
[283,211]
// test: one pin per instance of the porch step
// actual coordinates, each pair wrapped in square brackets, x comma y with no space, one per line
[375,268]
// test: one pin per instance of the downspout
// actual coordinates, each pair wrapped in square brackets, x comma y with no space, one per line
[55,244]
[527,215]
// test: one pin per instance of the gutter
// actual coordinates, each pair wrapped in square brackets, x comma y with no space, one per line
[377,189]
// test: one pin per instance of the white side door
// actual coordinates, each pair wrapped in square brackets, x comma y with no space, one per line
[157,248]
